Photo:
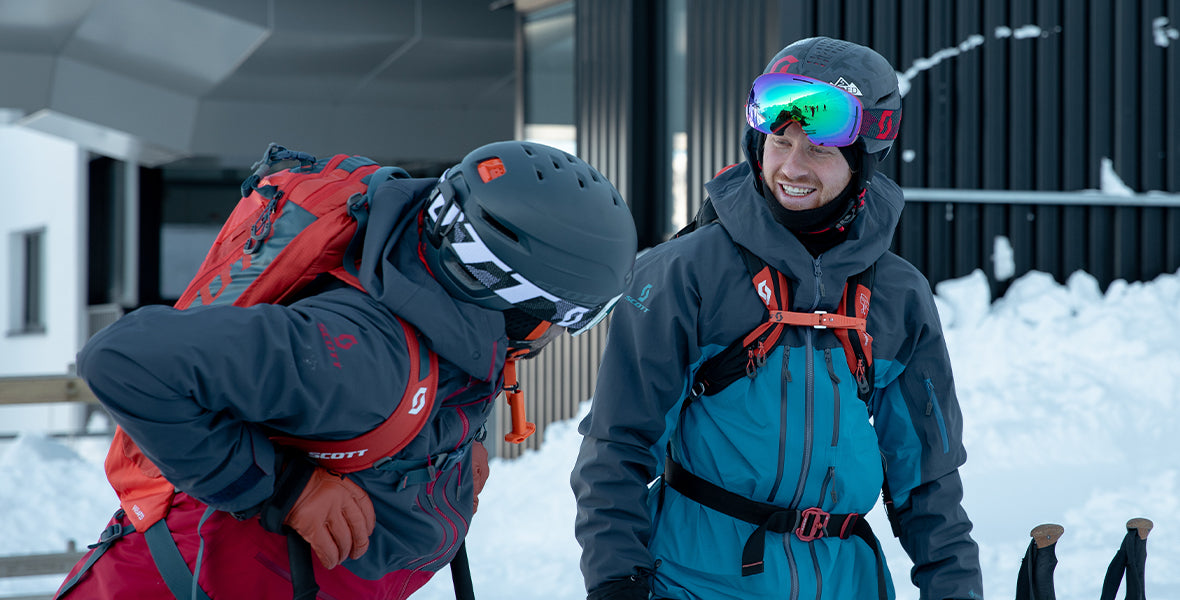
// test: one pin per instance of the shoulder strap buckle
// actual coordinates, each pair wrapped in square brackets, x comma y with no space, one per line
[819,319]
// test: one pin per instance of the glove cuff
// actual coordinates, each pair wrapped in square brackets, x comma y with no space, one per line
[289,484]
[634,587]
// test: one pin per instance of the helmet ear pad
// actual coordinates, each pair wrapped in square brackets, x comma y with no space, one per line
[518,324]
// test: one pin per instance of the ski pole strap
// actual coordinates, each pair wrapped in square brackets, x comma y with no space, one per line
[302,571]
[109,536]
[461,574]
[170,563]
[808,525]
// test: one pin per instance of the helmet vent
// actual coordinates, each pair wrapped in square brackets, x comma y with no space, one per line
[556,165]
[527,149]
[498,226]
[540,176]
[581,183]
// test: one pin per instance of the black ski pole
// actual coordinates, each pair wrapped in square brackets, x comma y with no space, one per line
[1130,560]
[461,574]
[1035,581]
[302,572]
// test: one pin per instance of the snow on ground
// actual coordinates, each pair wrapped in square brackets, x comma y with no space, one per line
[1070,402]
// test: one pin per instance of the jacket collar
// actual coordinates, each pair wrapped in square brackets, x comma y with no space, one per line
[464,334]
[748,220]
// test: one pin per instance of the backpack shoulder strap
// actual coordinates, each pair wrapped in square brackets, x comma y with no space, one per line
[396,432]
[705,215]
[358,209]
[746,354]
[858,344]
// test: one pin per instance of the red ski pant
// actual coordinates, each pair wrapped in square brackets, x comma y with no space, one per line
[239,560]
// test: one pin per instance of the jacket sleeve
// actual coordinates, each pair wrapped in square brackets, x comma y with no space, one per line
[198,390]
[919,425]
[641,379]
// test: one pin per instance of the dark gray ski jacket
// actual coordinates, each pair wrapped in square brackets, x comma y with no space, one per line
[200,390]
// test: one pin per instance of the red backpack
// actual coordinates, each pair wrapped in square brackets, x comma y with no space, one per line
[290,227]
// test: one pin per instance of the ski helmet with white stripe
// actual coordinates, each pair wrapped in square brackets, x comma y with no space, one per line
[522,225]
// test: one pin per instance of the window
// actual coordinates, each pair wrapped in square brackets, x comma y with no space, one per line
[27,312]
[677,110]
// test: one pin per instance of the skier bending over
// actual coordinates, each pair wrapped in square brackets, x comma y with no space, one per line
[511,247]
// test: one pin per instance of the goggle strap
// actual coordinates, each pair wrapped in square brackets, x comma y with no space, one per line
[881,124]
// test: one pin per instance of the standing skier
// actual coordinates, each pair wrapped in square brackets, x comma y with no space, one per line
[511,247]
[762,481]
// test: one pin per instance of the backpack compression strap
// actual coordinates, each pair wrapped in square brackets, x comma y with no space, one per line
[358,454]
[745,355]
[859,350]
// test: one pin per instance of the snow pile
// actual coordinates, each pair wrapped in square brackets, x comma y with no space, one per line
[1070,405]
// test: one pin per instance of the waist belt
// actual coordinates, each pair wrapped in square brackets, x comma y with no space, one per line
[808,525]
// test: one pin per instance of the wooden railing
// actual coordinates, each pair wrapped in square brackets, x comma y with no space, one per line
[42,389]
[39,564]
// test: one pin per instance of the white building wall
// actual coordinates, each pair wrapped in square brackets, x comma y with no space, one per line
[43,184]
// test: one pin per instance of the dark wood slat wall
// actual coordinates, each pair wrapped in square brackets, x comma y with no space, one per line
[1055,88]
[727,48]
[1029,108]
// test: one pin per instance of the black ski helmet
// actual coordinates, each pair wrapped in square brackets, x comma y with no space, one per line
[857,69]
[527,226]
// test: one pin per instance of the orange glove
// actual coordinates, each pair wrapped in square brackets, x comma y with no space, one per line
[479,469]
[335,516]
[329,511]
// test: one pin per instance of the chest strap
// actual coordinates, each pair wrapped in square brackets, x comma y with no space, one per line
[808,525]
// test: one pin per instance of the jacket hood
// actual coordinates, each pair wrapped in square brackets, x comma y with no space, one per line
[391,271]
[748,220]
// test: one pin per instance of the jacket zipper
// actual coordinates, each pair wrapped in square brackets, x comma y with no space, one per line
[828,481]
[450,530]
[808,437]
[835,397]
[809,393]
[933,407]
[782,432]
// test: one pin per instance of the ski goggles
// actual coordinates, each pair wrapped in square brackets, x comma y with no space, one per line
[830,116]
[486,277]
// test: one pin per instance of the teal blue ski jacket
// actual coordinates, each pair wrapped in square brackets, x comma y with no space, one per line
[796,435]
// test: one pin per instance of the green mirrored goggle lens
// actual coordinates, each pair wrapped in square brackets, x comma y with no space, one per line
[829,115]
